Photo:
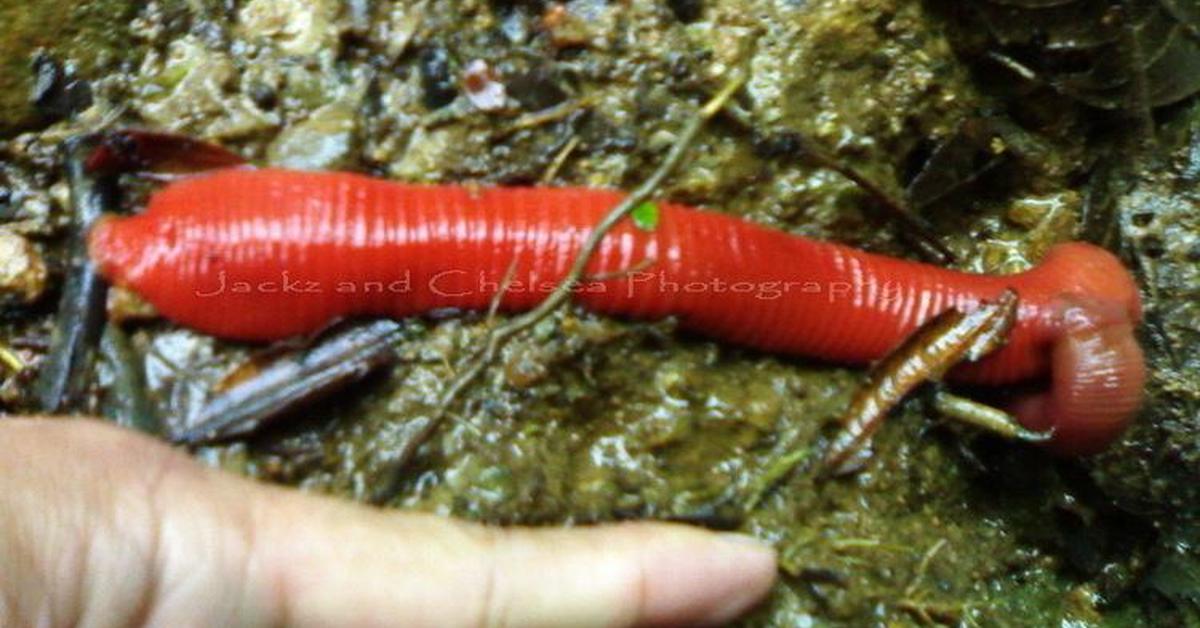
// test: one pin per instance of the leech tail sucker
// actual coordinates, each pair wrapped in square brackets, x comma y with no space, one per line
[266,254]
[1097,380]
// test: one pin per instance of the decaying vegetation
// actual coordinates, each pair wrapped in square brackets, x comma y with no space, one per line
[976,132]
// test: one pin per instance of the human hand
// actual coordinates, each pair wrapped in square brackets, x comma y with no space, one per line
[102,527]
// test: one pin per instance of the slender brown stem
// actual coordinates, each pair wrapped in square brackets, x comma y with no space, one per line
[499,336]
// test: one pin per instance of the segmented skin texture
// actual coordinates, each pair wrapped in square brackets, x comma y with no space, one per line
[260,255]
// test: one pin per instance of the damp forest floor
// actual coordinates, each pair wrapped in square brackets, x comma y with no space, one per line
[588,419]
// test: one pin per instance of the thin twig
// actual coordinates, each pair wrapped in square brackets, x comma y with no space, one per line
[66,371]
[499,336]
[927,613]
[779,469]
[913,227]
[923,567]
[562,293]
[623,273]
[544,117]
[560,160]
[509,276]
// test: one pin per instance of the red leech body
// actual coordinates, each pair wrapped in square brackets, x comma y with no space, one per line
[262,255]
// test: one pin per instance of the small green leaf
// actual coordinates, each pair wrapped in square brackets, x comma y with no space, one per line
[646,215]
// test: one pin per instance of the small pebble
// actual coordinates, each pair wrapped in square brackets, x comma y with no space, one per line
[22,269]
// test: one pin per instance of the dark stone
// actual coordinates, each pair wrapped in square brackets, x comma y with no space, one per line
[686,11]
[534,89]
[437,78]
[56,93]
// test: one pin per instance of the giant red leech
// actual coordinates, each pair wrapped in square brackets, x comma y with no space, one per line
[262,255]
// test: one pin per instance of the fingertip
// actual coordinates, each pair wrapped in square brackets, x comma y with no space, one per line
[629,574]
[699,578]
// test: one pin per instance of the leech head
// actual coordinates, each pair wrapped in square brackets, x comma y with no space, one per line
[1097,370]
[123,255]
[107,250]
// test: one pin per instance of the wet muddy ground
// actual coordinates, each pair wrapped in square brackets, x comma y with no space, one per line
[591,419]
